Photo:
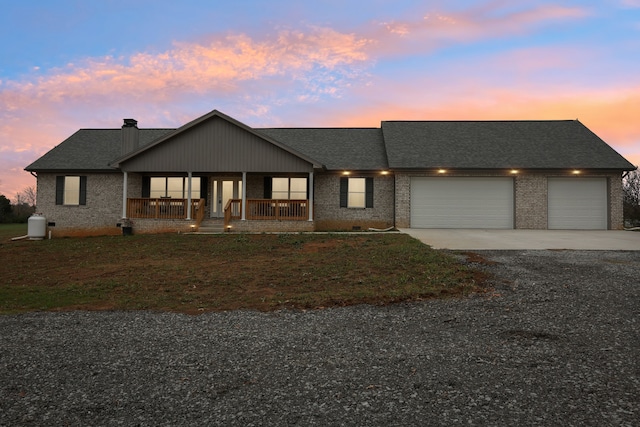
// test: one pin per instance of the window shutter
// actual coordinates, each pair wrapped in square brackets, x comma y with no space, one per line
[146,186]
[344,192]
[83,190]
[204,187]
[368,188]
[268,186]
[59,190]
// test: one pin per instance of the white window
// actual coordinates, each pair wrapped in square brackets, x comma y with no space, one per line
[280,188]
[357,191]
[71,190]
[298,189]
[175,187]
[289,188]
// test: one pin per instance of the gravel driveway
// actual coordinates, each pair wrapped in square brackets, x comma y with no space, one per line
[557,343]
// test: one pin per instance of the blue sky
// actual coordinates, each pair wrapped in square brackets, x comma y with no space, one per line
[85,64]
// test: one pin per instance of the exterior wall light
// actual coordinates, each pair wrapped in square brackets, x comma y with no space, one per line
[385,172]
[346,173]
[576,172]
[442,171]
[514,171]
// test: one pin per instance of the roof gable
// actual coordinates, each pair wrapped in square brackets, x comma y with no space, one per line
[216,142]
[497,145]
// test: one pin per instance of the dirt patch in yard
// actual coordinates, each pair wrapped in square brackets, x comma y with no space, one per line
[200,273]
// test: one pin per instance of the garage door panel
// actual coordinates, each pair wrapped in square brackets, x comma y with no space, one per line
[461,202]
[577,203]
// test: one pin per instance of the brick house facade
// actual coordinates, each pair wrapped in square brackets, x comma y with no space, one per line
[403,174]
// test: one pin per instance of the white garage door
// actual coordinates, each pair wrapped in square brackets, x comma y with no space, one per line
[577,203]
[474,202]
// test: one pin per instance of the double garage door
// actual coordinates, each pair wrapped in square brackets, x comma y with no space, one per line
[478,202]
[488,202]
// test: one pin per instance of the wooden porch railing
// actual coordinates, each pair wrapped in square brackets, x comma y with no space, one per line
[232,210]
[199,212]
[164,208]
[267,209]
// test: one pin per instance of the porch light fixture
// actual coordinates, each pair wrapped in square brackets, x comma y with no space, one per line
[442,171]
[346,173]
[576,172]
[385,172]
[514,171]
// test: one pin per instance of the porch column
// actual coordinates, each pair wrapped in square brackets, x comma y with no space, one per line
[244,196]
[310,196]
[189,195]
[124,194]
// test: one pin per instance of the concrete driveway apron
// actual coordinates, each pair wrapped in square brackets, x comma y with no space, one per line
[464,239]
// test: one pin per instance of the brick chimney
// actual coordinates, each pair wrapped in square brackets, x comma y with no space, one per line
[130,136]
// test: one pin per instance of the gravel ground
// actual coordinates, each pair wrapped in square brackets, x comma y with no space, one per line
[557,343]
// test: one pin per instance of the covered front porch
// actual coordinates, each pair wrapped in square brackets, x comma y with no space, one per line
[218,169]
[168,208]
[190,202]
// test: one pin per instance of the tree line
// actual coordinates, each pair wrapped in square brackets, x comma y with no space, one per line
[631,199]
[22,208]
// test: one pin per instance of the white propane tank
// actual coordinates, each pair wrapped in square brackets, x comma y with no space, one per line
[37,227]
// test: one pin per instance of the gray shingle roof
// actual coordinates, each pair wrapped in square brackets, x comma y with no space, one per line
[497,145]
[396,145]
[336,148]
[89,150]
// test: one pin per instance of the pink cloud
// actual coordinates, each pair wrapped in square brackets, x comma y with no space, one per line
[433,30]
[41,111]
[221,65]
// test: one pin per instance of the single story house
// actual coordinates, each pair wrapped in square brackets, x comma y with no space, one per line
[218,172]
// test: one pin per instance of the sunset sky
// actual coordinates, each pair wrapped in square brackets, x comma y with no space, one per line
[70,64]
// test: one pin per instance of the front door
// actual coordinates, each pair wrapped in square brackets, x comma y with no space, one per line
[224,190]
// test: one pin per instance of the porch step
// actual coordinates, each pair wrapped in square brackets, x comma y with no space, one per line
[211,226]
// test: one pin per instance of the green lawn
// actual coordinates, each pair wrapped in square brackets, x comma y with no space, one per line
[8,231]
[199,273]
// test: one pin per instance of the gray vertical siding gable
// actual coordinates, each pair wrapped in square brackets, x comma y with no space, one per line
[216,145]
